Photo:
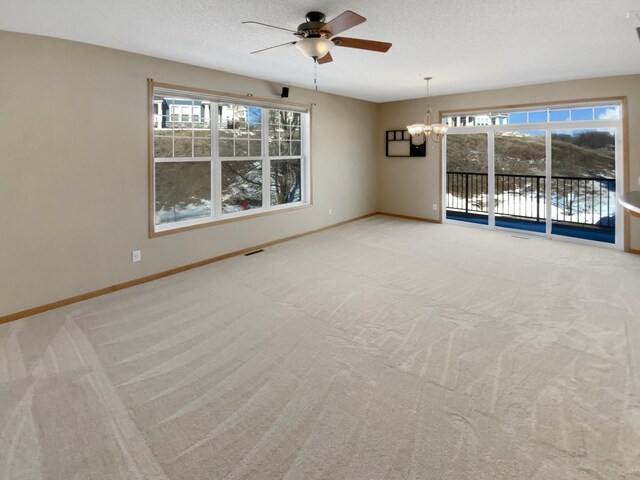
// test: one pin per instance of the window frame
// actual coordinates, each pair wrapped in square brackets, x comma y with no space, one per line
[622,145]
[447,116]
[216,216]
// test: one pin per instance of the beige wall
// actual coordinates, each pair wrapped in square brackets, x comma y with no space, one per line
[73,182]
[410,186]
[73,152]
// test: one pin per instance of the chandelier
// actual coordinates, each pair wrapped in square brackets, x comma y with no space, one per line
[420,131]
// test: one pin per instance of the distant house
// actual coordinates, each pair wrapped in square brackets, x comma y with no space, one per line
[177,112]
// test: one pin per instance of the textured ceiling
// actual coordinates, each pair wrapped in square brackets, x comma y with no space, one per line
[466,45]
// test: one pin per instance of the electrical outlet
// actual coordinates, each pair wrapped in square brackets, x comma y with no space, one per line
[331,211]
[136,256]
[435,206]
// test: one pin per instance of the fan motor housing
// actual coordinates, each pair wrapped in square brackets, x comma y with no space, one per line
[314,27]
[315,17]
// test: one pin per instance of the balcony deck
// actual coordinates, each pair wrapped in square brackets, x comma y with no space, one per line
[582,207]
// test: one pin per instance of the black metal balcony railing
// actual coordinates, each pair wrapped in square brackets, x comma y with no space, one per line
[575,200]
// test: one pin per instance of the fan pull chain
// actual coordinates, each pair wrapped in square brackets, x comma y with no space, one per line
[315,73]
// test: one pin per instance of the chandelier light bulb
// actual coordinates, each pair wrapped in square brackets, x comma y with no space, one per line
[416,128]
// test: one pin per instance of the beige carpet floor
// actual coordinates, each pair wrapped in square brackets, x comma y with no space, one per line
[382,349]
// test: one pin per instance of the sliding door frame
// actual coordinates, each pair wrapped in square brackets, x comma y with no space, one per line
[621,162]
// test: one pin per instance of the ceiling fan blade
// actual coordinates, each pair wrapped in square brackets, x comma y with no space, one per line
[326,59]
[362,44]
[251,22]
[288,44]
[344,21]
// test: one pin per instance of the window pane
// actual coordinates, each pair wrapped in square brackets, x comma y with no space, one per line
[205,124]
[239,116]
[242,148]
[225,133]
[537,117]
[177,118]
[225,117]
[520,167]
[520,153]
[162,147]
[240,129]
[254,115]
[225,147]
[288,118]
[202,147]
[241,185]
[583,188]
[241,124]
[182,147]
[285,181]
[582,114]
[202,132]
[255,148]
[161,129]
[284,126]
[584,153]
[182,132]
[519,117]
[559,116]
[500,118]
[467,177]
[274,133]
[608,113]
[285,133]
[481,120]
[183,191]
[204,113]
[468,153]
[255,131]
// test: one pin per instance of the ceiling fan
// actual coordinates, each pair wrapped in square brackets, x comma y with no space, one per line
[316,37]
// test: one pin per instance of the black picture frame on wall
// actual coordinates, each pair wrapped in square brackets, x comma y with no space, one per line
[398,144]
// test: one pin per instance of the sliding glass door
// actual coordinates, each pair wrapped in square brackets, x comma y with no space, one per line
[468,178]
[547,171]
[520,180]
[583,184]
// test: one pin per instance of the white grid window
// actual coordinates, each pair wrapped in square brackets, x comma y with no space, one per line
[240,160]
[545,115]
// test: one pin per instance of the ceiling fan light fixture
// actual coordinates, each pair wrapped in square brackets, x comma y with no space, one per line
[314,47]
